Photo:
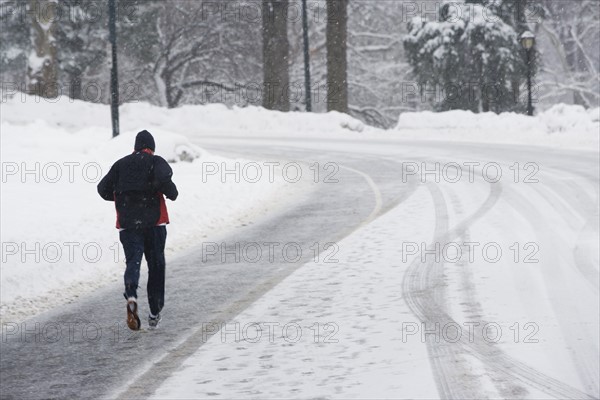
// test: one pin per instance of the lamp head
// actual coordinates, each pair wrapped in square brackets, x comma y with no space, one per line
[527,40]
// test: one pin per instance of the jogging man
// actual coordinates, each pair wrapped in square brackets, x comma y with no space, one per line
[138,184]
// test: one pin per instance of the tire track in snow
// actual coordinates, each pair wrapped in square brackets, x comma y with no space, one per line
[423,290]
[420,283]
[504,387]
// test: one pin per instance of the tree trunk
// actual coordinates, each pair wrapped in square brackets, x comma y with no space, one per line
[580,66]
[275,55]
[42,68]
[572,55]
[337,63]
[578,97]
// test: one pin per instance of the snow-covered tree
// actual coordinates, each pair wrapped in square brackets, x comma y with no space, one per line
[515,13]
[81,42]
[467,60]
[42,69]
[14,46]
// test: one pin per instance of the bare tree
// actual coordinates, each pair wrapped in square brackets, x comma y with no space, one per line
[190,52]
[337,63]
[376,62]
[182,42]
[572,32]
[276,49]
[377,68]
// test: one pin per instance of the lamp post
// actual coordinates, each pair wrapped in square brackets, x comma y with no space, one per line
[307,84]
[114,75]
[528,43]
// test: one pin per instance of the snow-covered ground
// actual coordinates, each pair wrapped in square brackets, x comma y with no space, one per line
[55,152]
[58,236]
[357,317]
[348,330]
[330,330]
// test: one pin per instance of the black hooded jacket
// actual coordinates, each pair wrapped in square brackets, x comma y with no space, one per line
[136,183]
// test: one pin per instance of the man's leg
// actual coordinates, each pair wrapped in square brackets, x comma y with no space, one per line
[154,250]
[133,245]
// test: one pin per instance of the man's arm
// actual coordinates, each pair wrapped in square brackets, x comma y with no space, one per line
[162,179]
[106,187]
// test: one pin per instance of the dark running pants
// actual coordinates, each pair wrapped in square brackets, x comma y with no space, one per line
[150,243]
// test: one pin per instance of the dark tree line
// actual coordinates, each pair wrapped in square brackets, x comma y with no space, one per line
[66,42]
[363,56]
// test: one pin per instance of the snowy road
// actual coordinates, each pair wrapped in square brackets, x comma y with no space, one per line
[543,210]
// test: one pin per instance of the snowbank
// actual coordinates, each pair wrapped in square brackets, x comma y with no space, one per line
[563,125]
[212,119]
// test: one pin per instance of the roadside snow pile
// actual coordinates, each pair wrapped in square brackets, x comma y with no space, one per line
[567,118]
[58,236]
[562,125]
[217,119]
[206,120]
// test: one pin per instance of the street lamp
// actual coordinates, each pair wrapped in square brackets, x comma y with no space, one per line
[307,84]
[528,42]
[114,74]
